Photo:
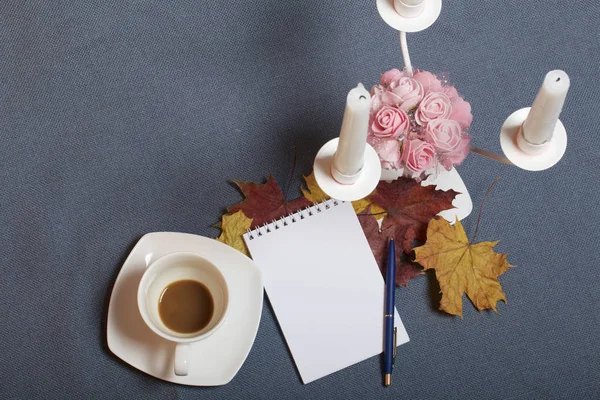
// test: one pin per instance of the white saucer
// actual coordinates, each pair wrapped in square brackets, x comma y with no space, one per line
[444,180]
[214,360]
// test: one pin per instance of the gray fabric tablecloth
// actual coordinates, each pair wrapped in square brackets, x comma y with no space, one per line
[119,118]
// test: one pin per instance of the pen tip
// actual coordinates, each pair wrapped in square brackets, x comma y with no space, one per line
[388,379]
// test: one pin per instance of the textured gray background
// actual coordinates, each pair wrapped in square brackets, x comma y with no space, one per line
[124,117]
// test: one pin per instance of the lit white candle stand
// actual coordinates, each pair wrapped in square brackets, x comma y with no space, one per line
[532,138]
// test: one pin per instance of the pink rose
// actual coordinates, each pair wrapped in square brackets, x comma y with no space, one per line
[417,156]
[461,112]
[390,76]
[435,105]
[404,93]
[429,81]
[451,92]
[450,159]
[376,93]
[389,122]
[388,151]
[461,109]
[449,140]
[445,135]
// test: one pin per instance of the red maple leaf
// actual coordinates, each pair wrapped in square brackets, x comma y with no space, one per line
[379,241]
[409,207]
[265,202]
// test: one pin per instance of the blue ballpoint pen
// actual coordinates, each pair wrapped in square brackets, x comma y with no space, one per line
[389,349]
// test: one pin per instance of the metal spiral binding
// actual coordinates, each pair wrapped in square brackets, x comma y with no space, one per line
[292,218]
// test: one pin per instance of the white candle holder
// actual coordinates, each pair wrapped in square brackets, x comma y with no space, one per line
[365,180]
[409,15]
[526,155]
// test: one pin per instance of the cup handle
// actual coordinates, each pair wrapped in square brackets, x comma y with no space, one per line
[182,363]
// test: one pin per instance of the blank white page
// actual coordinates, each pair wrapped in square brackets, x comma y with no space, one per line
[325,287]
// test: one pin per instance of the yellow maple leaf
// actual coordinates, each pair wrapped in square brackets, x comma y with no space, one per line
[315,194]
[377,211]
[462,267]
[362,204]
[234,226]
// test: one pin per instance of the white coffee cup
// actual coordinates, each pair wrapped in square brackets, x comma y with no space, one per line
[172,268]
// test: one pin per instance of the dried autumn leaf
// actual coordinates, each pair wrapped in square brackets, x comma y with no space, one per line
[265,202]
[360,205]
[378,241]
[314,193]
[462,267]
[409,208]
[234,226]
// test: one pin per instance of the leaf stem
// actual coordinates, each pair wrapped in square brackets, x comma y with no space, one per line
[379,213]
[289,182]
[481,208]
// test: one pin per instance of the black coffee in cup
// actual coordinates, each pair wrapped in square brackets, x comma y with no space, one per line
[186,306]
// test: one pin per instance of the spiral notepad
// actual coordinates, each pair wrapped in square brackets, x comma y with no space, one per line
[325,287]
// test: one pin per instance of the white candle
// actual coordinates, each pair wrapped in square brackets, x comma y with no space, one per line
[349,156]
[544,113]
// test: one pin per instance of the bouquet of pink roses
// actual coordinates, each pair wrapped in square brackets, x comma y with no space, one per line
[418,123]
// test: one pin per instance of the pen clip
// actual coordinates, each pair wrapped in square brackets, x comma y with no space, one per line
[395,345]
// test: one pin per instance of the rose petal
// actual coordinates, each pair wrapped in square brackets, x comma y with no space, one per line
[429,81]
[451,92]
[390,76]
[388,151]
[461,112]
[458,156]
